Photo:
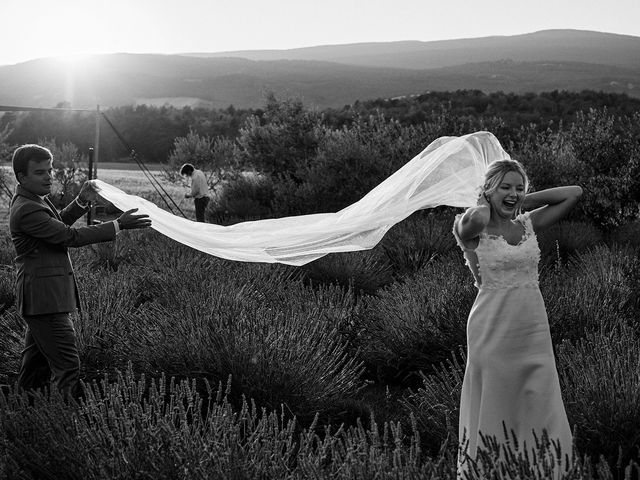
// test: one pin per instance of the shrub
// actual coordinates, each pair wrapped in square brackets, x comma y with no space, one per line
[413,325]
[193,315]
[561,240]
[281,142]
[608,152]
[104,331]
[436,405]
[600,378]
[11,345]
[598,151]
[547,157]
[7,288]
[345,167]
[216,157]
[247,197]
[130,428]
[7,250]
[627,234]
[597,288]
[365,272]
[275,358]
[69,171]
[411,244]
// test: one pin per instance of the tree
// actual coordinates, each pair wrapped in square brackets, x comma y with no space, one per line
[216,157]
[283,140]
[5,156]
[70,171]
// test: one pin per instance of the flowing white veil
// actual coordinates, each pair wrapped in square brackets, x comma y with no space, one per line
[447,172]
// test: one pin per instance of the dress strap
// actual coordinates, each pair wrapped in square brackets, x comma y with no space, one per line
[525,220]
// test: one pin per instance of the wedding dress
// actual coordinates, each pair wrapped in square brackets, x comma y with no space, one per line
[511,374]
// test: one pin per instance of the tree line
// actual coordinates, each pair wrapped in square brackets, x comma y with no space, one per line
[151,130]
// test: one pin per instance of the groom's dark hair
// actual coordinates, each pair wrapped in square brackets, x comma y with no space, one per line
[23,154]
[187,169]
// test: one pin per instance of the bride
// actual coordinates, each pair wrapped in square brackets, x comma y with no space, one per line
[511,382]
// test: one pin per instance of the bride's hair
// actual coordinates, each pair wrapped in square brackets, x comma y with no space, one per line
[496,172]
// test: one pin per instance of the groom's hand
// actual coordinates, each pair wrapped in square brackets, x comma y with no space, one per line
[129,221]
[88,192]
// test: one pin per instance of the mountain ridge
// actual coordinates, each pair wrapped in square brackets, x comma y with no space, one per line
[220,81]
[540,45]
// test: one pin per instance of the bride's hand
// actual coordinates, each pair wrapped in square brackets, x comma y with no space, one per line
[483,200]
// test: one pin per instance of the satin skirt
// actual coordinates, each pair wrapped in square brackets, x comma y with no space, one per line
[511,373]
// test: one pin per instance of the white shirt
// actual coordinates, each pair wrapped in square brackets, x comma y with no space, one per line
[199,186]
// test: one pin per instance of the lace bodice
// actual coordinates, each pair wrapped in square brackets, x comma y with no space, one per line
[496,264]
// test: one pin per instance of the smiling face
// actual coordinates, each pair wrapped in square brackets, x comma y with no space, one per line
[38,178]
[507,199]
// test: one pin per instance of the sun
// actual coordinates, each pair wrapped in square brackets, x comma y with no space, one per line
[45,29]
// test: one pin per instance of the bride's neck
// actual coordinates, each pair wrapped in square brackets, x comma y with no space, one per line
[498,223]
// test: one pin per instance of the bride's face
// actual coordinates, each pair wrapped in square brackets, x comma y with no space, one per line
[508,197]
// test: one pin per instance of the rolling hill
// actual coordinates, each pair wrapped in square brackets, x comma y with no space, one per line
[332,76]
[547,45]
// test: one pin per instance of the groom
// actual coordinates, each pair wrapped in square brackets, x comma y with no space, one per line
[46,289]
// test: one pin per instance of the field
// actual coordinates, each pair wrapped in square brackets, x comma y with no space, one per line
[339,340]
[349,367]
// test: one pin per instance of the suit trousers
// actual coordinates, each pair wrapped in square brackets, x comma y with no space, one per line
[50,347]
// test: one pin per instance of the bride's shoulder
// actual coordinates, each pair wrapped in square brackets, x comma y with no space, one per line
[465,245]
[525,219]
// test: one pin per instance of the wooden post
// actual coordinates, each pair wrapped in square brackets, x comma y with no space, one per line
[96,143]
[90,177]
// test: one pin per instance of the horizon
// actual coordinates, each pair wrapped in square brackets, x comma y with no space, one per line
[168,27]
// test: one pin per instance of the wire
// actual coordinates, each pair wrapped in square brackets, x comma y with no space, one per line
[9,108]
[154,181]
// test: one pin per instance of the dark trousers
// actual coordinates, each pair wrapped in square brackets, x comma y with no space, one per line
[50,347]
[201,205]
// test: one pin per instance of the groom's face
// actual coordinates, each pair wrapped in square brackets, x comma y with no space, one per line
[38,178]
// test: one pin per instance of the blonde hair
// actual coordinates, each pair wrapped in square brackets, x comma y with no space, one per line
[496,172]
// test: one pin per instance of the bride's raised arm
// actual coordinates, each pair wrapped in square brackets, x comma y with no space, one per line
[551,204]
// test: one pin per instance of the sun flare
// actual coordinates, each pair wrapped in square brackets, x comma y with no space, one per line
[72,60]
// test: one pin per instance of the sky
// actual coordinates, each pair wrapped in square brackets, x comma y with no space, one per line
[46,28]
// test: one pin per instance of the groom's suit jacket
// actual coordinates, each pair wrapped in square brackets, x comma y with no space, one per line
[45,281]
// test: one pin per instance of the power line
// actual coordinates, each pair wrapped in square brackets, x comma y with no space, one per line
[154,181]
[9,108]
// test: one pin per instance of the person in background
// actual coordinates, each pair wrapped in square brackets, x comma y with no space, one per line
[199,189]
[46,288]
